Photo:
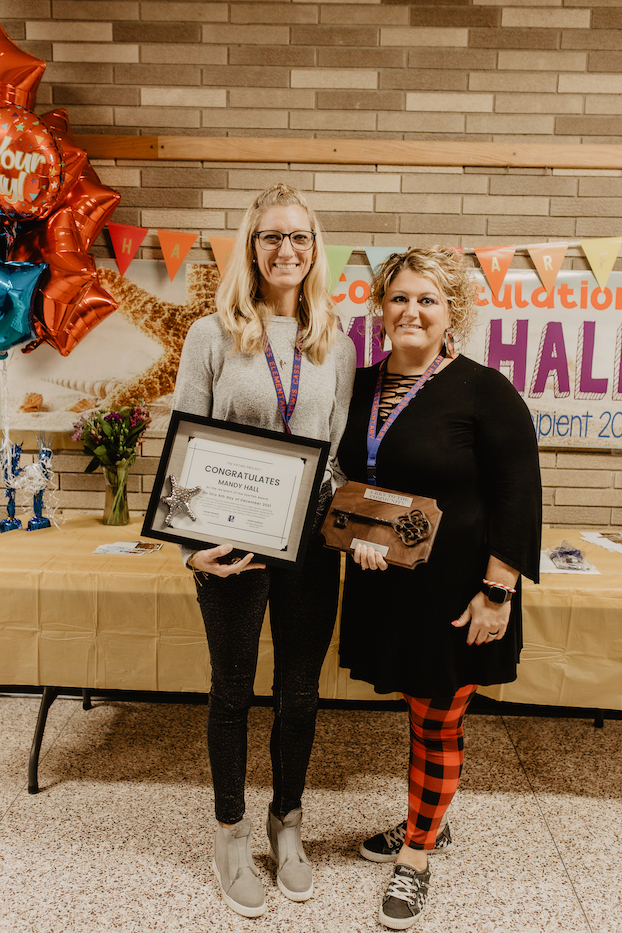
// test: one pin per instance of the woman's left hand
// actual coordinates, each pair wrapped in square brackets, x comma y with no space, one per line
[489,621]
[369,558]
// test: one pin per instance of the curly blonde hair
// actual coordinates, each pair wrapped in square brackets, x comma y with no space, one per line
[450,272]
[239,301]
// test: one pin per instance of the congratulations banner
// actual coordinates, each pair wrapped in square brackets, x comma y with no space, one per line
[560,349]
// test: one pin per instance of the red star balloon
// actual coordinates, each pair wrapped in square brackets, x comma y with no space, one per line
[81,317]
[92,204]
[20,74]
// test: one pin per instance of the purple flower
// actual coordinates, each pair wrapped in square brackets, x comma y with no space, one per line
[113,416]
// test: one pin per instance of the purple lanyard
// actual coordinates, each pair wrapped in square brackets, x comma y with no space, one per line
[286,409]
[373,439]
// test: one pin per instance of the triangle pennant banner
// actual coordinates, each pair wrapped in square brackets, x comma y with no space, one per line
[175,248]
[378,254]
[548,259]
[222,247]
[337,258]
[601,255]
[126,241]
[495,262]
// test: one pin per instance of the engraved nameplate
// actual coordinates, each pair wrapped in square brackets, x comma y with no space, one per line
[379,495]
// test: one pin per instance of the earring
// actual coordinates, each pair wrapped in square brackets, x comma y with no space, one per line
[449,345]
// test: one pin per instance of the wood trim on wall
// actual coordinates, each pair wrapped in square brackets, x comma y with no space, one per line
[353,151]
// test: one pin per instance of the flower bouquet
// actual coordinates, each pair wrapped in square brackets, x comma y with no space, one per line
[111,438]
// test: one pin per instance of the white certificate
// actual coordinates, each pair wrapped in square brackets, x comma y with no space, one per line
[246,494]
[222,483]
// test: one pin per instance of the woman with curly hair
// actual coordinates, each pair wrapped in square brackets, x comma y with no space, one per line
[431,422]
[272,357]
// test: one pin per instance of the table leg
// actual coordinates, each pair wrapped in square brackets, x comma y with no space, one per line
[49,695]
[599,718]
[86,700]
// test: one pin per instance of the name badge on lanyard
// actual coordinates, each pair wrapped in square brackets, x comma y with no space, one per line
[374,440]
[286,408]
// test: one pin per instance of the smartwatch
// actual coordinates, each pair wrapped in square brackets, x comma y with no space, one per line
[496,594]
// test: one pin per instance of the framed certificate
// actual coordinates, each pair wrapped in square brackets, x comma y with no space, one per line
[220,483]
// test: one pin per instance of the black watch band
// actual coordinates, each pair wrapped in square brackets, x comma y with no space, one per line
[496,594]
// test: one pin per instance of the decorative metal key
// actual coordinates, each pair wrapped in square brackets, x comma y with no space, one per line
[411,528]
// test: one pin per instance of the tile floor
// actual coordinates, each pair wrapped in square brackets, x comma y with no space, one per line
[120,836]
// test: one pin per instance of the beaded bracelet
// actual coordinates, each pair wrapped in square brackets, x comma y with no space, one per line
[502,585]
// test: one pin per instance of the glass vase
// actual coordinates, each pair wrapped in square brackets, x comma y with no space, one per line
[116,510]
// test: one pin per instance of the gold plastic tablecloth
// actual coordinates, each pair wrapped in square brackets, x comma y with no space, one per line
[572,654]
[72,618]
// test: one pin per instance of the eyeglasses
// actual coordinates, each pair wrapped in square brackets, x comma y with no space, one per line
[272,239]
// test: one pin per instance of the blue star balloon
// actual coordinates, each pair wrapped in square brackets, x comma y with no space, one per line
[18,286]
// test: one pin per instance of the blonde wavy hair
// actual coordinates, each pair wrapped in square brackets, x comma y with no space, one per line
[238,299]
[450,272]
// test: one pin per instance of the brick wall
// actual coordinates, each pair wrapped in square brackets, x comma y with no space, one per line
[481,70]
[457,69]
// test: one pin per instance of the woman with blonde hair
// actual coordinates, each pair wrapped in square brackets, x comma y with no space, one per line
[272,357]
[429,421]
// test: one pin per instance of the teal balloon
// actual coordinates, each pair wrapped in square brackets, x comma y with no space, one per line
[18,286]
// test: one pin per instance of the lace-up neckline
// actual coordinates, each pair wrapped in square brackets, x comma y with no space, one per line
[394,388]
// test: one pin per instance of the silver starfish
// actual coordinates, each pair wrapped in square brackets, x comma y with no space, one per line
[179,499]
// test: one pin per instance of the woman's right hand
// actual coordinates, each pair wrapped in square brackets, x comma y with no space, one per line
[368,558]
[207,561]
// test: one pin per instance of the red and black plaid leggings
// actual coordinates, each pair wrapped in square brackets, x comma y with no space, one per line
[436,757]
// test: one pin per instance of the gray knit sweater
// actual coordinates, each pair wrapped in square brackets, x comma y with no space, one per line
[216,382]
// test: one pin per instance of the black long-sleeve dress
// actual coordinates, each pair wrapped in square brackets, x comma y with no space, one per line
[466,440]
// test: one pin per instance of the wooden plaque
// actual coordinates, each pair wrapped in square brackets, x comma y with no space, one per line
[403,513]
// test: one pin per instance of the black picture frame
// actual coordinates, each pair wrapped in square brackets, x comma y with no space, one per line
[185,427]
